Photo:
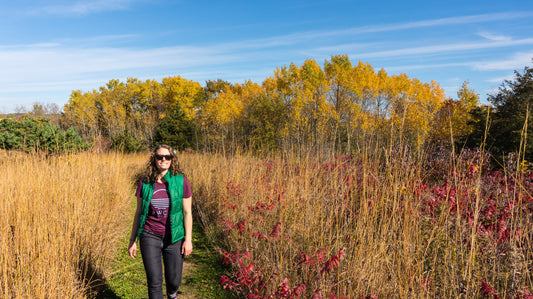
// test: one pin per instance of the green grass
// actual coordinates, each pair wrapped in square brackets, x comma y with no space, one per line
[203,279]
[128,279]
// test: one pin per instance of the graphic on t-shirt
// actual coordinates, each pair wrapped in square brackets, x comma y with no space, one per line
[159,203]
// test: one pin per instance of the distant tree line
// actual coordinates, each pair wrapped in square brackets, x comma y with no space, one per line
[336,107]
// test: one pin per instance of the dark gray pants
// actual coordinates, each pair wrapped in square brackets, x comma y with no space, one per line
[152,248]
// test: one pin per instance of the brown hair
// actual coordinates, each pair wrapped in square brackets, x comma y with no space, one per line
[151,170]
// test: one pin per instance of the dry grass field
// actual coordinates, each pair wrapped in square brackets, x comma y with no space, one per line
[61,218]
[335,227]
[368,227]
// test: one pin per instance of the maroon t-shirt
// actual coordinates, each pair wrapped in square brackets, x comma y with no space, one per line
[157,220]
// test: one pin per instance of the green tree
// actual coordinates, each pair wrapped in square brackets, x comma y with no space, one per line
[481,121]
[513,104]
[176,130]
[38,134]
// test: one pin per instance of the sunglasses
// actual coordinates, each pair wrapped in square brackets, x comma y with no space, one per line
[161,157]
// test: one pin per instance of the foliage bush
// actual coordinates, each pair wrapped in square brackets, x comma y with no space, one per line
[39,134]
[176,130]
[127,143]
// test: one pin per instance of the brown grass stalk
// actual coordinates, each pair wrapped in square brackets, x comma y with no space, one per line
[61,218]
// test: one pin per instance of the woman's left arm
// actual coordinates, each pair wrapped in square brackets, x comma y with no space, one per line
[186,248]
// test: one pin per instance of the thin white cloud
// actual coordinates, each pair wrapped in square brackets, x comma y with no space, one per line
[82,7]
[99,40]
[445,48]
[76,64]
[501,79]
[403,68]
[460,20]
[299,37]
[53,85]
[349,47]
[494,37]
[28,46]
[58,63]
[517,61]
[49,61]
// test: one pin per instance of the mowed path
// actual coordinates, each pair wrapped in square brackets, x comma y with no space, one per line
[187,290]
[200,277]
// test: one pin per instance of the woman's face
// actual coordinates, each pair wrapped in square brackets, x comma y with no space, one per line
[163,159]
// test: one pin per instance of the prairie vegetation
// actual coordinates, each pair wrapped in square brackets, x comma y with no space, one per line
[333,182]
[339,227]
[358,226]
[61,218]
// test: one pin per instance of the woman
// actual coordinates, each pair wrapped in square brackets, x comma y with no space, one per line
[163,222]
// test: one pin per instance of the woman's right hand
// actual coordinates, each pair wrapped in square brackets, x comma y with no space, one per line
[132,249]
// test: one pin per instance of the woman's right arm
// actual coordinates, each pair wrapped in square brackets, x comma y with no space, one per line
[132,247]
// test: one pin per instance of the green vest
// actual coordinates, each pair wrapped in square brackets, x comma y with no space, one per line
[175,189]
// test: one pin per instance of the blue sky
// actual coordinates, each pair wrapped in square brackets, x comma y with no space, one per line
[48,48]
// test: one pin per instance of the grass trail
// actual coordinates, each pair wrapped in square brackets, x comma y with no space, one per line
[201,272]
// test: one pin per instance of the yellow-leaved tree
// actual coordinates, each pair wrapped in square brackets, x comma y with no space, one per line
[219,120]
[454,121]
[80,112]
[413,108]
[185,93]
[301,107]
[310,117]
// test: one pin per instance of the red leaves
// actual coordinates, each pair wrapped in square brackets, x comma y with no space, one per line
[226,282]
[261,207]
[236,257]
[333,262]
[486,290]
[228,224]
[227,205]
[276,231]
[304,259]
[489,207]
[426,282]
[259,235]
[285,291]
[526,294]
[299,290]
[241,226]
[320,254]
[234,189]
[419,189]
[498,199]
[246,278]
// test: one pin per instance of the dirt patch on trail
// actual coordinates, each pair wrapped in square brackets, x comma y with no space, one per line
[186,290]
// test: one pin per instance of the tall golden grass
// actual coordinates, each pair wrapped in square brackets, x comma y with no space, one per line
[365,225]
[60,220]
[383,246]
[335,226]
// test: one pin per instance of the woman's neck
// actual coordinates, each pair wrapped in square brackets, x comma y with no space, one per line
[161,175]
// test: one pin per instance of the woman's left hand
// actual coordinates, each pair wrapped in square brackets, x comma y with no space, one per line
[186,248]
